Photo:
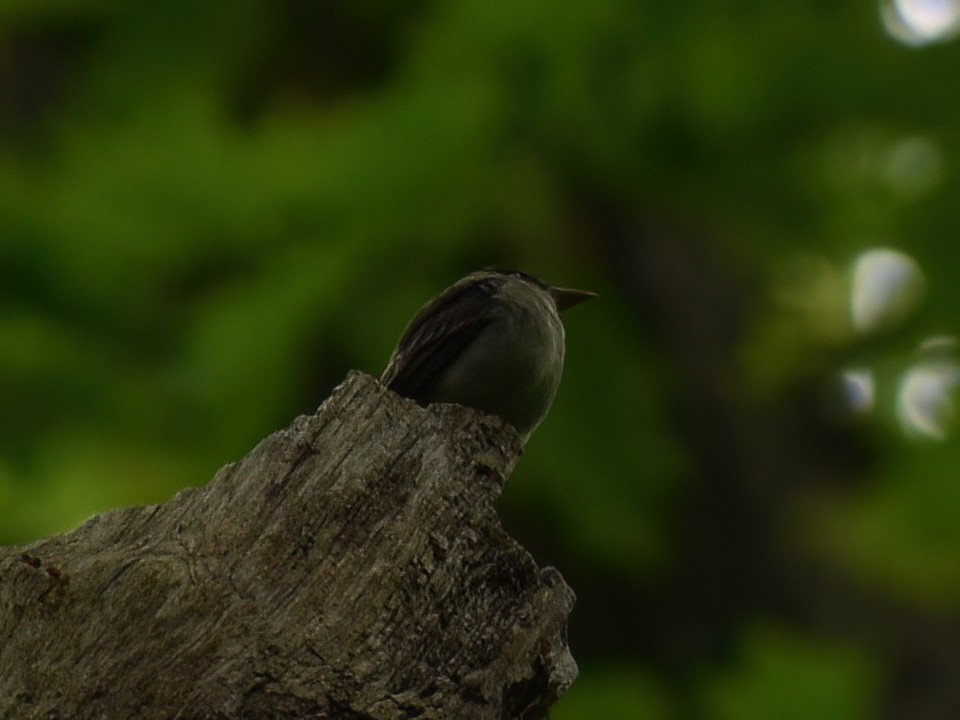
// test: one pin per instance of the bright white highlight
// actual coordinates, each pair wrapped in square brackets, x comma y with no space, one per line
[925,403]
[859,391]
[921,22]
[887,286]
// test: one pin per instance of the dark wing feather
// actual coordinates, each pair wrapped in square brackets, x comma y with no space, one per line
[438,334]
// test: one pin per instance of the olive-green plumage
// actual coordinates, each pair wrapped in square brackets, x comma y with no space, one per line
[493,341]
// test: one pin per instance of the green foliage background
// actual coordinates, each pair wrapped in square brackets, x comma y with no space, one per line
[210,211]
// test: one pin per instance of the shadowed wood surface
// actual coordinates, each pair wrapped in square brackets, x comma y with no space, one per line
[350,566]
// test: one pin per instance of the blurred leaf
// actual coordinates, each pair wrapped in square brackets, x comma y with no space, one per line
[785,676]
[601,693]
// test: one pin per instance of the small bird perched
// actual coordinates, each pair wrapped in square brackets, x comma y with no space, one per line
[493,341]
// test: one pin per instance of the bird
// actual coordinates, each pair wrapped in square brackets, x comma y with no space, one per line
[493,341]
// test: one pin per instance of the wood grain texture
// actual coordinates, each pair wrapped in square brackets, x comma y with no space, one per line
[351,566]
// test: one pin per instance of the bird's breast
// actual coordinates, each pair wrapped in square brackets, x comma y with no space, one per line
[512,369]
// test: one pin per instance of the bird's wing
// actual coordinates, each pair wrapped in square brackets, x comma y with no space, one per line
[442,329]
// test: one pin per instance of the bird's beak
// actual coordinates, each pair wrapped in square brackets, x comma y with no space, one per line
[566,298]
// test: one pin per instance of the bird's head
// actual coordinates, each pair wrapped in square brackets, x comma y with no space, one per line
[564,298]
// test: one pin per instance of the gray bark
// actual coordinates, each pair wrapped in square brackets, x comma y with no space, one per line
[351,566]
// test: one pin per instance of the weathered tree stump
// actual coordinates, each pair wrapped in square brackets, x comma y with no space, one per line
[351,566]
